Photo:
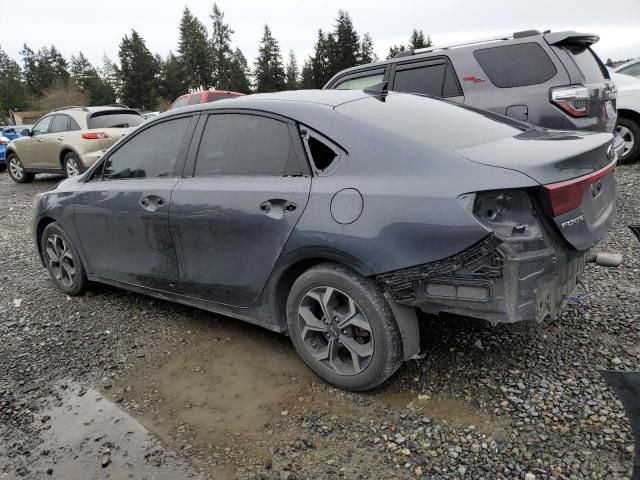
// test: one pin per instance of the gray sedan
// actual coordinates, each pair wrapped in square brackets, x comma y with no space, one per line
[335,216]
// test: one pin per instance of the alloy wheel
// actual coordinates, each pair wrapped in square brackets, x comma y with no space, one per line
[71,167]
[628,138]
[335,330]
[60,260]
[16,168]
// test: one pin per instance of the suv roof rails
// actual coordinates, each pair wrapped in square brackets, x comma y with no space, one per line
[70,107]
[510,36]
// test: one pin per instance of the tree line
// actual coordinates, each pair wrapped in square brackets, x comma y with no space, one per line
[204,58]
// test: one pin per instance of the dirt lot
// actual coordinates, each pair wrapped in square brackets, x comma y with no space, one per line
[117,385]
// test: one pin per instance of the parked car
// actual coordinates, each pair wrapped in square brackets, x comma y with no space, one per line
[14,131]
[632,68]
[628,127]
[3,149]
[334,216]
[548,79]
[68,140]
[205,96]
[8,133]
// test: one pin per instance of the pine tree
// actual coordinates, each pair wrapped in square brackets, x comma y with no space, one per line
[394,50]
[269,72]
[172,82]
[195,51]
[321,60]
[221,49]
[13,94]
[138,70]
[43,69]
[417,40]
[239,73]
[347,44]
[293,73]
[306,77]
[86,77]
[110,74]
[367,54]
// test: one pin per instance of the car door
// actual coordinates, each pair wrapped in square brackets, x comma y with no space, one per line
[122,210]
[245,187]
[32,149]
[52,142]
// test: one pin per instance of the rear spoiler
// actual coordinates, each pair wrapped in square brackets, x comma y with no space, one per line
[574,39]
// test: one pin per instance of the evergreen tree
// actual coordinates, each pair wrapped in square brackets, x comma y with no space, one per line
[417,40]
[269,72]
[138,70]
[239,73]
[195,51]
[347,44]
[367,54]
[321,61]
[110,75]
[172,82]
[43,69]
[292,73]
[13,94]
[86,77]
[306,77]
[394,50]
[221,49]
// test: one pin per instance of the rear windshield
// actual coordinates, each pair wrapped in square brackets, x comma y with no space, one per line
[115,118]
[212,97]
[516,65]
[589,64]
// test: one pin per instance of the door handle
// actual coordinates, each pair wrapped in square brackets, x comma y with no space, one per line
[277,207]
[40,140]
[60,138]
[151,203]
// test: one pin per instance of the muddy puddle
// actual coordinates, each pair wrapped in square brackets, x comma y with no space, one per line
[85,436]
[223,394]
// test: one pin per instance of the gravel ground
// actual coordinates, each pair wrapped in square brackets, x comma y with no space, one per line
[215,398]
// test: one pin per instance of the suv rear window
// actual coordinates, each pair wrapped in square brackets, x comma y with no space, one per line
[590,65]
[116,118]
[516,65]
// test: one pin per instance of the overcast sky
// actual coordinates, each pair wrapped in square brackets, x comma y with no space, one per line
[97,27]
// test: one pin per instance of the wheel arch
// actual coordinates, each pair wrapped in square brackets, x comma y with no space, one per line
[41,225]
[630,114]
[63,153]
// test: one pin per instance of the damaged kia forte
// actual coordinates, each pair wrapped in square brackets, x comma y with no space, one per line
[335,217]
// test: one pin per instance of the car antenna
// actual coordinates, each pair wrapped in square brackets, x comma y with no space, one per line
[379,90]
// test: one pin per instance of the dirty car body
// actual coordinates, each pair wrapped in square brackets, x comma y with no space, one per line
[494,224]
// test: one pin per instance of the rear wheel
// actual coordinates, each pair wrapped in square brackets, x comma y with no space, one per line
[62,261]
[16,170]
[343,328]
[629,130]
[72,165]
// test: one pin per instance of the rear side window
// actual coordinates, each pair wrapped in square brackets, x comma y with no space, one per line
[116,118]
[589,65]
[151,153]
[360,83]
[435,79]
[633,70]
[516,65]
[59,124]
[236,144]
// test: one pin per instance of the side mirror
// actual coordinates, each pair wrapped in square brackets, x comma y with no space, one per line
[26,132]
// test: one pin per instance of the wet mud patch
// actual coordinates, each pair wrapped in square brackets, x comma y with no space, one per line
[84,435]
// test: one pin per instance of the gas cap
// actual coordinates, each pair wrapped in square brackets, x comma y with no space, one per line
[346,206]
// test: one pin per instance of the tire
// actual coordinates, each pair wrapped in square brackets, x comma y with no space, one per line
[56,245]
[630,132]
[346,293]
[72,165]
[16,170]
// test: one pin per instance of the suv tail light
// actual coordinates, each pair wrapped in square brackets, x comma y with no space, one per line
[566,196]
[574,100]
[4,140]
[94,135]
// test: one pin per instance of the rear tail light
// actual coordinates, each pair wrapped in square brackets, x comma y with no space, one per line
[573,100]
[4,140]
[567,196]
[94,135]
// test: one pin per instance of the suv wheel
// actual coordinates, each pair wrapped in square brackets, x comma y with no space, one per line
[630,133]
[16,170]
[62,261]
[72,165]
[343,328]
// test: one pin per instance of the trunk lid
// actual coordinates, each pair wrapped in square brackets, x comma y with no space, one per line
[575,171]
